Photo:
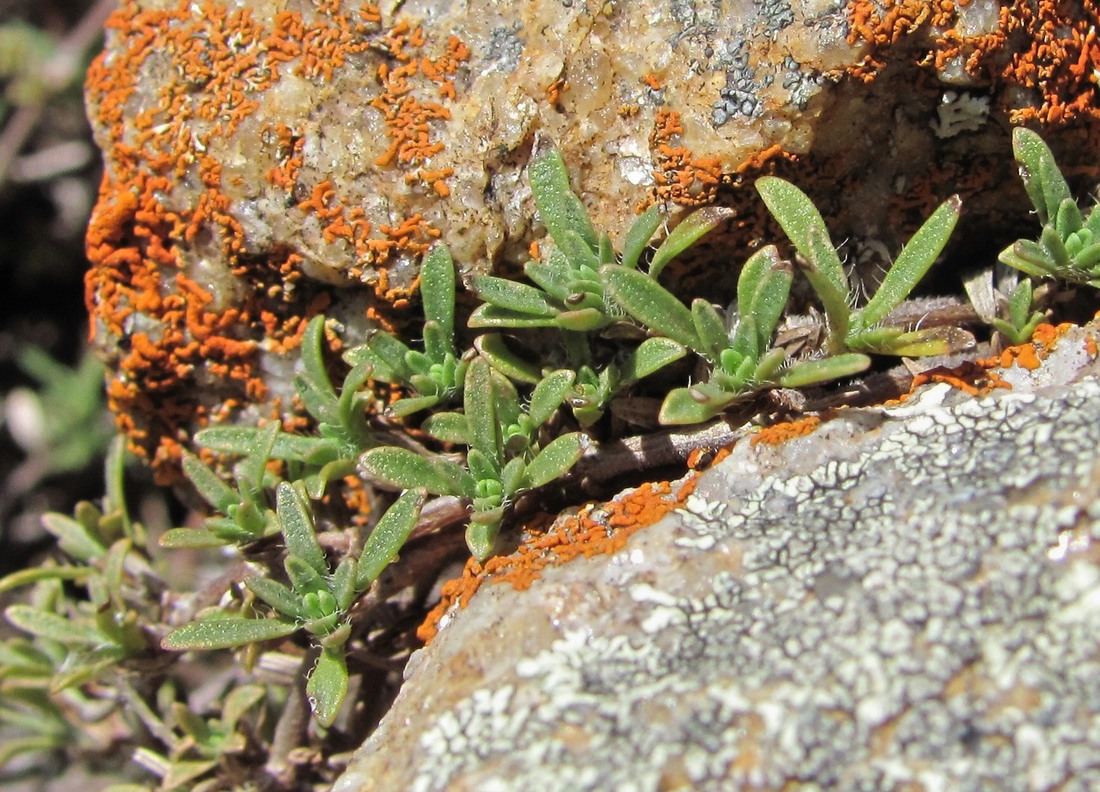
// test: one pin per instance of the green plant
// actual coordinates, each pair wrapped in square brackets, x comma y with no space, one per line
[104,636]
[76,640]
[863,330]
[1020,321]
[568,293]
[317,599]
[435,375]
[1068,247]
[244,513]
[62,425]
[505,454]
[739,352]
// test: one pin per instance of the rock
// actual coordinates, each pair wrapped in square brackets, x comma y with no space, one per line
[904,597]
[266,161]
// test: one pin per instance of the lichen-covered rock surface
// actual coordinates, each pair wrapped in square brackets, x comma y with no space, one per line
[906,597]
[267,160]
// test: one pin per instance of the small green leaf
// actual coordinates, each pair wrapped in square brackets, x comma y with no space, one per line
[342,583]
[305,580]
[115,475]
[803,224]
[481,533]
[239,701]
[767,366]
[49,625]
[481,411]
[255,465]
[320,402]
[681,406]
[577,250]
[512,296]
[226,633]
[917,343]
[278,596]
[388,351]
[482,468]
[490,316]
[549,394]
[835,303]
[437,345]
[1068,220]
[404,469]
[296,518]
[328,685]
[552,275]
[769,286]
[560,210]
[583,320]
[1042,179]
[690,230]
[710,328]
[637,238]
[512,478]
[650,356]
[24,577]
[313,353]
[915,259]
[652,305]
[212,489]
[448,427]
[1020,303]
[494,349]
[244,440]
[812,372]
[388,537]
[183,772]
[412,405]
[437,290]
[555,459]
[84,665]
[1028,257]
[73,538]
[607,252]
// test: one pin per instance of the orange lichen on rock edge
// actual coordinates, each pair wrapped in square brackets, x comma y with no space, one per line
[198,339]
[788,430]
[595,529]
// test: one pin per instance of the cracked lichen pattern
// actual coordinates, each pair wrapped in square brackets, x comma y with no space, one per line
[909,597]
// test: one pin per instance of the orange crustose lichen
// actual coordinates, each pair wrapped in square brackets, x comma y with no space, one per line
[178,331]
[594,529]
[788,430]
[679,176]
[1044,47]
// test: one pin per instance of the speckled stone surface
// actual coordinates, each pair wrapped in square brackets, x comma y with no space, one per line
[908,597]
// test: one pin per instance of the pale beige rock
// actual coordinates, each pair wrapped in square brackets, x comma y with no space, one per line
[907,596]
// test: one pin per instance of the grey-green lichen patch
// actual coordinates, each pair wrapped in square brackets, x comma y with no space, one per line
[909,597]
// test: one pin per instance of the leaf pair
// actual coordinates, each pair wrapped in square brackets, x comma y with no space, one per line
[504,456]
[434,375]
[863,330]
[1069,244]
